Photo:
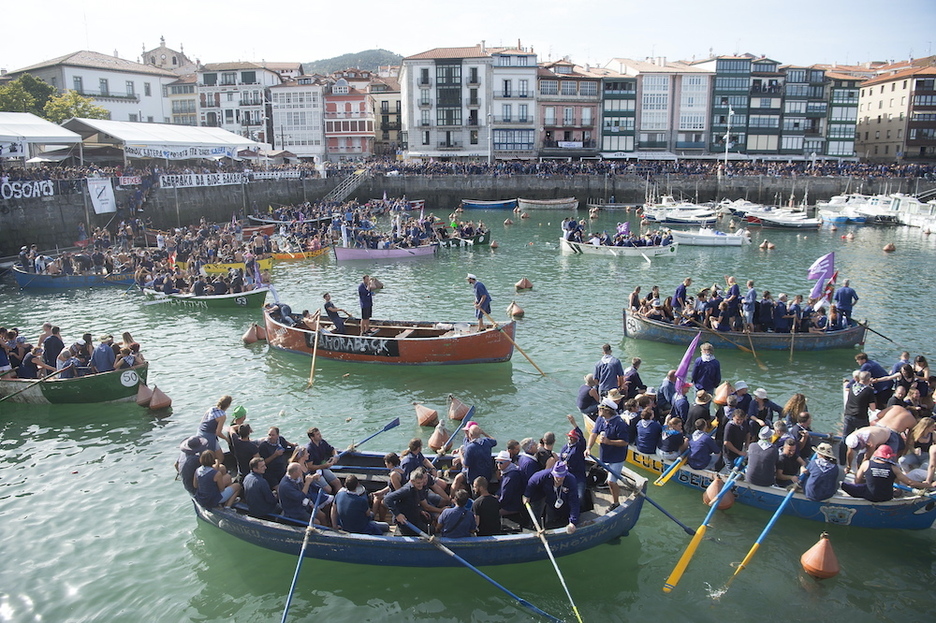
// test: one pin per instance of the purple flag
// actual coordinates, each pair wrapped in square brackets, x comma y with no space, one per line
[683,370]
[823,267]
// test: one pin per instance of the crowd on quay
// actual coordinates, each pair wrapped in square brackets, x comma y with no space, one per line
[47,354]
[576,231]
[888,436]
[727,309]
[479,495]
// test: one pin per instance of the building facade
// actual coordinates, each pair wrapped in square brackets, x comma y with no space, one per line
[349,121]
[388,113]
[513,108]
[569,100]
[236,97]
[297,108]
[897,116]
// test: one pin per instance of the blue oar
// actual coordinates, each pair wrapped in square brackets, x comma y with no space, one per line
[906,488]
[683,562]
[521,601]
[448,444]
[305,544]
[393,424]
[608,469]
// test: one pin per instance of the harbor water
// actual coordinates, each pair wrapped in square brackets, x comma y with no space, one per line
[94,528]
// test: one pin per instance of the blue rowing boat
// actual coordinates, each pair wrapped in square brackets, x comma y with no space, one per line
[504,204]
[595,527]
[51,282]
[639,328]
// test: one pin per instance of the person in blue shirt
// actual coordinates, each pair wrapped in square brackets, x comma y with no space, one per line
[845,298]
[706,371]
[611,432]
[458,521]
[554,493]
[821,476]
[351,510]
[748,304]
[609,372]
[366,296]
[883,389]
[476,458]
[257,491]
[482,300]
[103,357]
[573,454]
[679,298]
[649,432]
[332,312]
[703,451]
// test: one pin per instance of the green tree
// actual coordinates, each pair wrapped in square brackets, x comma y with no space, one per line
[15,98]
[41,90]
[69,104]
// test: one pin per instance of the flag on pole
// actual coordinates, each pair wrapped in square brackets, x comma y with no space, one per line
[682,371]
[821,270]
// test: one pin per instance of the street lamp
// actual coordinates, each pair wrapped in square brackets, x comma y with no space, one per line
[490,118]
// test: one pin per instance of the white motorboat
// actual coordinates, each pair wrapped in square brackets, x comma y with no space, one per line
[707,237]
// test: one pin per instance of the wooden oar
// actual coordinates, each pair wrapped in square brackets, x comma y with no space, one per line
[33,384]
[632,485]
[542,536]
[318,313]
[523,602]
[687,555]
[792,339]
[722,336]
[758,361]
[517,346]
[305,543]
[865,325]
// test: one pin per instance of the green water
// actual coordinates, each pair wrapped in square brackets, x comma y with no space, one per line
[94,528]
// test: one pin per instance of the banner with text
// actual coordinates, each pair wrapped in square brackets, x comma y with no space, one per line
[102,195]
[275,175]
[174,152]
[130,180]
[12,150]
[188,180]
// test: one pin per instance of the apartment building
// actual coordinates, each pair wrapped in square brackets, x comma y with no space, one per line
[569,102]
[618,113]
[236,97]
[349,117]
[388,112]
[297,108]
[897,115]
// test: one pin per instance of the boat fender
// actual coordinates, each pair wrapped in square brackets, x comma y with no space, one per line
[819,560]
[890,247]
[712,491]
[426,416]
[251,336]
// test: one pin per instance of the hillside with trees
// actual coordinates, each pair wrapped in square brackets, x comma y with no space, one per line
[368,59]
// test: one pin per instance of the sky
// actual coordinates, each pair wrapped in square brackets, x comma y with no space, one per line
[797,32]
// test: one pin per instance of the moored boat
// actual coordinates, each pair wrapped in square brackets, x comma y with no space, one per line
[283,256]
[393,253]
[569,247]
[502,204]
[565,203]
[150,236]
[778,221]
[27,280]
[114,386]
[264,220]
[396,342]
[252,299]
[595,527]
[639,328]
[224,267]
[905,513]
[706,237]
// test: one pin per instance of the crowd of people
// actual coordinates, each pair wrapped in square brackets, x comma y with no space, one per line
[727,309]
[480,493]
[888,434]
[48,354]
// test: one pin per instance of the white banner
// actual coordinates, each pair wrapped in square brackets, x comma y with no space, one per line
[12,150]
[102,194]
[130,180]
[187,180]
[27,190]
[167,152]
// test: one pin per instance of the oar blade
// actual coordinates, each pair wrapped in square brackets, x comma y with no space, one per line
[683,563]
[392,424]
[672,469]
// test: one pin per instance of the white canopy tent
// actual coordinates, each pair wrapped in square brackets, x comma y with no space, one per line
[20,130]
[160,140]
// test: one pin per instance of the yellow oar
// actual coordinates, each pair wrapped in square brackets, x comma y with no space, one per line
[683,562]
[763,535]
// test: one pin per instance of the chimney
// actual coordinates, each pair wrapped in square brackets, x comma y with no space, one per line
[482,47]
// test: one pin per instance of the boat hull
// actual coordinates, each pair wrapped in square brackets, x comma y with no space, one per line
[639,328]
[60,282]
[505,204]
[449,348]
[349,253]
[304,255]
[401,551]
[225,267]
[710,238]
[116,386]
[566,203]
[240,300]
[765,222]
[581,248]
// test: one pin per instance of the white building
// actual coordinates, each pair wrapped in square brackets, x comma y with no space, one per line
[236,97]
[298,120]
[129,91]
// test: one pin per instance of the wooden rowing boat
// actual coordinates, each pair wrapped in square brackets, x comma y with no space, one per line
[50,282]
[396,342]
[114,386]
[150,235]
[907,513]
[706,237]
[224,267]
[595,527]
[640,328]
[568,247]
[500,204]
[303,255]
[566,203]
[395,253]
[252,299]
[262,220]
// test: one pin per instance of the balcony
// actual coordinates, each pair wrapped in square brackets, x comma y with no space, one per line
[474,102]
[424,82]
[767,90]
[390,126]
[425,103]
[450,145]
[252,122]
[473,122]
[425,123]
[688,145]
[550,144]
[126,97]
[349,115]
[473,81]
[251,103]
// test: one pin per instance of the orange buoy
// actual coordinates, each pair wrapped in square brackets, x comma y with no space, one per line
[507,221]
[524,284]
[712,491]
[771,246]
[426,416]
[722,392]
[889,247]
[457,409]
[763,245]
[439,437]
[261,333]
[494,244]
[819,560]
[524,215]
[251,336]
[514,310]
[144,395]
[159,400]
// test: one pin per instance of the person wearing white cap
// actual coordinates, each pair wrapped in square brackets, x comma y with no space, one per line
[744,397]
[760,410]
[513,484]
[482,300]
[612,432]
[762,460]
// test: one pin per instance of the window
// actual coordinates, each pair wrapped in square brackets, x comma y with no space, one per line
[229,78]
[425,137]
[795,107]
[730,84]
[587,116]
[424,80]
[792,143]
[523,113]
[249,77]
[230,96]
[524,88]
[473,137]
[424,118]
[523,61]
[794,124]
[424,97]
[130,88]
[618,105]
[77,84]
[513,140]
[134,118]
[549,87]
[473,75]
[104,88]
[506,112]
[733,66]
[617,143]
[655,101]
[837,130]
[841,113]
[654,121]
[763,142]
[588,89]
[620,88]
[841,148]
[568,116]
[210,80]
[692,121]
[507,85]
[764,121]
[549,115]
[449,74]
[618,124]
[568,87]
[448,116]
[148,89]
[796,75]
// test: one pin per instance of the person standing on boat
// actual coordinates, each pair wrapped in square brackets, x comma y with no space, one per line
[554,494]
[366,296]
[609,372]
[884,387]
[482,300]
[212,424]
[858,402]
[611,431]
[706,371]
[733,298]
[332,312]
[845,298]
[748,305]
[679,298]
